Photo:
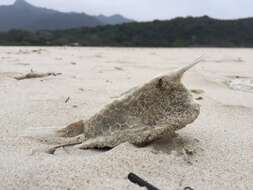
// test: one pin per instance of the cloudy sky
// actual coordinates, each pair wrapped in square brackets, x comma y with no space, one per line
[152,9]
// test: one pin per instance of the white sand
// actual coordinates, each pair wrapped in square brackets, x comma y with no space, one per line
[221,137]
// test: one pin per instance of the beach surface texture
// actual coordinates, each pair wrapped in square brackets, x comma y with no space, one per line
[214,152]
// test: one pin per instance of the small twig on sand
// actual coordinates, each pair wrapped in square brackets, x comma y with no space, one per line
[67,100]
[32,75]
[188,188]
[137,180]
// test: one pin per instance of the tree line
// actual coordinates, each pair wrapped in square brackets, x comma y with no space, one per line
[179,32]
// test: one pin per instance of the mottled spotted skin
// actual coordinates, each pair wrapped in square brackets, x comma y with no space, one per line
[158,108]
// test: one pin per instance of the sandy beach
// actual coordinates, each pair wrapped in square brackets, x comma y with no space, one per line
[220,140]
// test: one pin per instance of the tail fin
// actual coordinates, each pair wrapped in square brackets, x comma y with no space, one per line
[71,130]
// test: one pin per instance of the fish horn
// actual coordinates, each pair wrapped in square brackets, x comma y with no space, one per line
[179,74]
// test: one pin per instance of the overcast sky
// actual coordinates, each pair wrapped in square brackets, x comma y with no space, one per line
[152,9]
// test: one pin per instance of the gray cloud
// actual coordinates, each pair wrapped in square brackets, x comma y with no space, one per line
[152,9]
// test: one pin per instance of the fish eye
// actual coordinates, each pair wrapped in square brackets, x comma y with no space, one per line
[159,83]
